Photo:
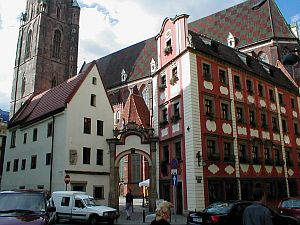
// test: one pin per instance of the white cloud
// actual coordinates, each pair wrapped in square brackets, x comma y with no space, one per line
[296,18]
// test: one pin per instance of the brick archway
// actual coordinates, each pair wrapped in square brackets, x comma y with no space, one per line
[132,139]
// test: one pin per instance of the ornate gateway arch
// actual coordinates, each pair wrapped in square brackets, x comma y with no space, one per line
[132,139]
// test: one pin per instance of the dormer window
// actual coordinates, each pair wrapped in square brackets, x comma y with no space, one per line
[123,76]
[168,48]
[153,66]
[231,41]
[263,57]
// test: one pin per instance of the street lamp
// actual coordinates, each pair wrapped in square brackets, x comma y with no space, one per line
[291,58]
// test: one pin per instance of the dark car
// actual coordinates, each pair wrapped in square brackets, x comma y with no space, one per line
[290,207]
[25,207]
[231,213]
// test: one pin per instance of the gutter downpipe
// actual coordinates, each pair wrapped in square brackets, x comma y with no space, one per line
[51,158]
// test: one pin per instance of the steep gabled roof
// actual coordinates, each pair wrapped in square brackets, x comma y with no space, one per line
[50,101]
[243,61]
[246,24]
[136,110]
[134,60]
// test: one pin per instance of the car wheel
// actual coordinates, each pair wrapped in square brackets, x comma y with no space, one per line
[93,220]
[111,221]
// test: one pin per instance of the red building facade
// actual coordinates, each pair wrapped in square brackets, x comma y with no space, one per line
[230,120]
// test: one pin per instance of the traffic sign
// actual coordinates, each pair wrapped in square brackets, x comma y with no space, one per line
[67,179]
[174,164]
[174,179]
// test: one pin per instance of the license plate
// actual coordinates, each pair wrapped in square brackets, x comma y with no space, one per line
[198,220]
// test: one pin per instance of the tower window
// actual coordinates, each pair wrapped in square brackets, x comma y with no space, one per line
[28,44]
[56,44]
[58,13]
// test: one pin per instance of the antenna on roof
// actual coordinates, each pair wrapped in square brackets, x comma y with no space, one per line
[258,5]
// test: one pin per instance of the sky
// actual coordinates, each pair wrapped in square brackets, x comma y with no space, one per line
[110,25]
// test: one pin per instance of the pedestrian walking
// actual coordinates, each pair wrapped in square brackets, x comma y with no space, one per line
[129,204]
[162,214]
[257,213]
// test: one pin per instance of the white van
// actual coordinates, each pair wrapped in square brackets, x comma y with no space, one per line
[76,205]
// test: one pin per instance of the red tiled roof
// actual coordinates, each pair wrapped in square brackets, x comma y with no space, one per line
[136,110]
[247,25]
[50,101]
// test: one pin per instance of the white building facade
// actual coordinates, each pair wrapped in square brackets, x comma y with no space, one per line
[64,141]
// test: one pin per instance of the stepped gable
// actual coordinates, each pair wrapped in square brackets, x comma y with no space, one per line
[49,102]
[136,110]
[234,57]
[247,25]
[135,60]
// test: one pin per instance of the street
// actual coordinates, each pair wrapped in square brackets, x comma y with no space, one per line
[136,217]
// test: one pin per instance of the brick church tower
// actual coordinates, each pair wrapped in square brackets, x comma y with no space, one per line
[47,48]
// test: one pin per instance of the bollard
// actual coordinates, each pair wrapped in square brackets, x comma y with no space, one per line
[144,216]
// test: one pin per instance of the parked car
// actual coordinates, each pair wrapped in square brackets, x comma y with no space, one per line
[76,205]
[231,212]
[290,207]
[25,207]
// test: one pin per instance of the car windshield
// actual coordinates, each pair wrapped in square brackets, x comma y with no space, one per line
[89,202]
[16,202]
[219,208]
[291,203]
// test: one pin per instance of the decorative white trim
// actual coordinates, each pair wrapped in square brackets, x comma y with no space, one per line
[229,169]
[254,133]
[283,110]
[262,103]
[244,167]
[242,130]
[273,106]
[211,125]
[175,127]
[251,99]
[278,169]
[257,168]
[298,141]
[286,139]
[276,137]
[213,168]
[266,135]
[164,131]
[290,172]
[224,90]
[295,114]
[208,85]
[239,95]
[227,129]
[269,169]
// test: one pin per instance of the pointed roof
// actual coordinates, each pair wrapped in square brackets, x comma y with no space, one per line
[245,23]
[49,102]
[136,110]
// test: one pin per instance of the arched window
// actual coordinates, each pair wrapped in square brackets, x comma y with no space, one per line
[56,44]
[28,44]
[58,13]
[23,86]
[145,95]
[53,82]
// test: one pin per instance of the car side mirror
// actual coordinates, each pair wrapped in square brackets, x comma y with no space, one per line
[51,209]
